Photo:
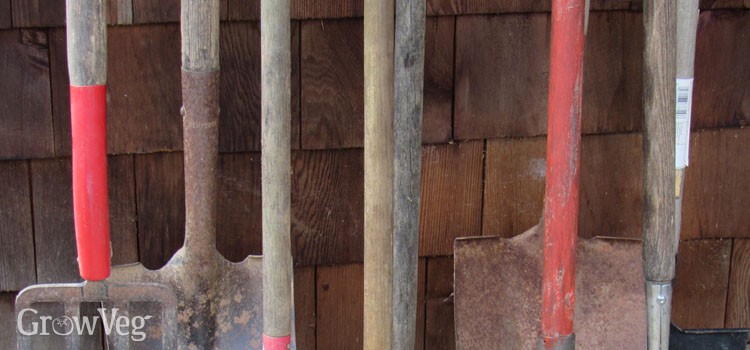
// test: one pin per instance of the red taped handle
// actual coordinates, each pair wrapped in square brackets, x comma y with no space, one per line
[88,109]
[276,343]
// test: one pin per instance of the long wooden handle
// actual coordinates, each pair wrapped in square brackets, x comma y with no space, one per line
[87,67]
[378,223]
[658,143]
[407,151]
[276,169]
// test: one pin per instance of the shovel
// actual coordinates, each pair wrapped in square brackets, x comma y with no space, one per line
[687,23]
[87,42]
[498,282]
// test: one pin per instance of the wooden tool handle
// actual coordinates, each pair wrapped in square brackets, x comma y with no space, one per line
[659,140]
[378,223]
[87,67]
[276,171]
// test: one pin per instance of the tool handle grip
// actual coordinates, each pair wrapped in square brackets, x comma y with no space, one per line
[276,343]
[88,107]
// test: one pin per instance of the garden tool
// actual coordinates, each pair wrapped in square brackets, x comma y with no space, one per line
[687,24]
[506,295]
[219,303]
[393,69]
[276,63]
[87,64]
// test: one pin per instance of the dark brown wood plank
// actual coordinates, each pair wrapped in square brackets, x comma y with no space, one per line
[304,306]
[60,84]
[122,212]
[438,80]
[16,230]
[160,193]
[611,194]
[143,110]
[7,321]
[119,12]
[440,328]
[738,298]
[238,223]
[723,4]
[514,185]
[502,64]
[451,199]
[38,13]
[5,15]
[54,232]
[340,296]
[306,9]
[701,281]
[716,193]
[327,207]
[26,111]
[454,7]
[332,84]
[239,123]
[239,10]
[149,11]
[613,73]
[722,79]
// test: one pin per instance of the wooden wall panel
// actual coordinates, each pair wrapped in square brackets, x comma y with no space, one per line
[149,11]
[5,15]
[440,327]
[7,321]
[25,113]
[16,230]
[613,73]
[700,287]
[340,307]
[143,104]
[238,223]
[143,113]
[327,206]
[239,123]
[451,200]
[453,7]
[304,307]
[123,219]
[332,71]
[502,65]
[38,13]
[54,232]
[723,4]
[305,9]
[722,84]
[514,185]
[716,193]
[738,298]
[243,10]
[160,194]
[611,194]
[119,12]
[438,80]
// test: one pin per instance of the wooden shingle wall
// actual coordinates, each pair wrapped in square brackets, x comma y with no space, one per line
[483,156]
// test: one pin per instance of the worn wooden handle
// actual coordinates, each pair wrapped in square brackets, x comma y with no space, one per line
[87,67]
[659,141]
[276,170]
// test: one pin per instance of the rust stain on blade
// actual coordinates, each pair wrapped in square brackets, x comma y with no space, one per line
[498,286]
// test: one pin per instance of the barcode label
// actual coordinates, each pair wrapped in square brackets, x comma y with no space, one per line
[682,122]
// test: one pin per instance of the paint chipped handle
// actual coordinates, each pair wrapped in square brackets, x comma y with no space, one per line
[88,108]
[276,343]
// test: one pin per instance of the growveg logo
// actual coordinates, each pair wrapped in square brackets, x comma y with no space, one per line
[31,323]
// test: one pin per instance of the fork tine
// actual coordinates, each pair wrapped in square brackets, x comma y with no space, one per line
[73,310]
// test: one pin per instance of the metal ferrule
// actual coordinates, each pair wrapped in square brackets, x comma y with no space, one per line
[560,343]
[659,303]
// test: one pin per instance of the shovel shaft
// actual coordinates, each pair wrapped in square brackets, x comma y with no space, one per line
[563,164]
[87,67]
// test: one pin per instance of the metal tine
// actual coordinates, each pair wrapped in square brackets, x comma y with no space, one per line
[73,310]
[117,341]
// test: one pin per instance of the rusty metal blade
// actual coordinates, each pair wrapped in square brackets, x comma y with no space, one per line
[498,286]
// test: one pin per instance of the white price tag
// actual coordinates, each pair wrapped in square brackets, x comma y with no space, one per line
[682,122]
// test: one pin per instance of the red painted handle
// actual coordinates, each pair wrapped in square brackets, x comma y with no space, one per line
[276,343]
[88,109]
